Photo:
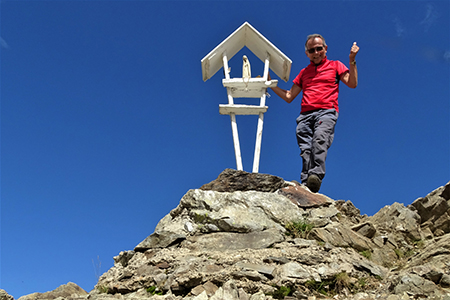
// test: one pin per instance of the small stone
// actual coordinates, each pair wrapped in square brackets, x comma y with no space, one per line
[163,265]
[445,281]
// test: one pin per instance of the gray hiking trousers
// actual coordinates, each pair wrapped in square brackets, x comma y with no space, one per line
[315,133]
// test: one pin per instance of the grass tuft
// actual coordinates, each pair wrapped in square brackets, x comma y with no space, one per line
[299,229]
[281,292]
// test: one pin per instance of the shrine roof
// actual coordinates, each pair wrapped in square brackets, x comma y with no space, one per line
[246,36]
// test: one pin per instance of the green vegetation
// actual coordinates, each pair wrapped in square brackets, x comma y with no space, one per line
[399,253]
[281,292]
[366,253]
[404,254]
[341,282]
[321,287]
[362,282]
[199,217]
[337,284]
[299,229]
[102,289]
[154,290]
[420,244]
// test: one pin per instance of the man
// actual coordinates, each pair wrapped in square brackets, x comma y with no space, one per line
[319,82]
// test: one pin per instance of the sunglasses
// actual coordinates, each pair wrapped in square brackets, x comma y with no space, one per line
[313,50]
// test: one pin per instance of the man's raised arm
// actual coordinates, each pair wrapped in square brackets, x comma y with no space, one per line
[351,78]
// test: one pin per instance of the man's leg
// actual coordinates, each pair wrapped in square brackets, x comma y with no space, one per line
[322,139]
[304,132]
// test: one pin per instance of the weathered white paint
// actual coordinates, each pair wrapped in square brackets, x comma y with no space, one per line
[246,87]
[237,147]
[241,109]
[253,89]
[259,130]
[246,35]
[258,142]
[234,129]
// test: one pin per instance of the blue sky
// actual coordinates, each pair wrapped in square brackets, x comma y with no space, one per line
[106,122]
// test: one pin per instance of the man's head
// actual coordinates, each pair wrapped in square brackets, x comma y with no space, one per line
[316,48]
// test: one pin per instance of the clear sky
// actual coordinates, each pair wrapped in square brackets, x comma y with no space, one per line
[106,122]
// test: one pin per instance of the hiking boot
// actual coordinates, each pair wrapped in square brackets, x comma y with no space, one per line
[313,183]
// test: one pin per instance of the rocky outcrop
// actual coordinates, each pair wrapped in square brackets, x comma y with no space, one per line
[5,296]
[434,211]
[255,236]
[69,291]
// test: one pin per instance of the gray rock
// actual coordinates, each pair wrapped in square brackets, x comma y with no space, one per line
[293,270]
[209,287]
[443,222]
[278,260]
[233,241]
[324,213]
[348,209]
[303,198]
[232,180]
[434,209]
[263,269]
[416,285]
[5,296]
[341,236]
[250,275]
[161,239]
[385,257]
[436,254]
[242,212]
[399,220]
[201,296]
[445,281]
[229,291]
[365,229]
[371,267]
[123,258]
[446,192]
[66,291]
[258,296]
[303,243]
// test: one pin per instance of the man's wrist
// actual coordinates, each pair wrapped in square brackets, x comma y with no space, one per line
[353,62]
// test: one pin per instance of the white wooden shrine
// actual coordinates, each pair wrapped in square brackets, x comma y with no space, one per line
[246,86]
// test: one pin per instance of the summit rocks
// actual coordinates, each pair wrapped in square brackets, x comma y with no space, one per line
[256,236]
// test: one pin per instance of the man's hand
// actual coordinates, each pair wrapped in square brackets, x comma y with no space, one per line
[353,51]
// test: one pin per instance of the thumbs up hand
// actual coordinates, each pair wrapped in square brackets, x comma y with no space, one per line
[353,51]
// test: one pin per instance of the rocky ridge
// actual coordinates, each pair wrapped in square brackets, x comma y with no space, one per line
[253,236]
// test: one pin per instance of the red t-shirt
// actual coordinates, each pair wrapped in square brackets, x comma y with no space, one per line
[320,84]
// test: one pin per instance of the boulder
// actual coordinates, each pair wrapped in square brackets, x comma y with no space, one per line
[232,180]
[69,291]
[415,285]
[204,211]
[434,210]
[341,236]
[5,296]
[234,241]
[435,254]
[302,197]
[398,221]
